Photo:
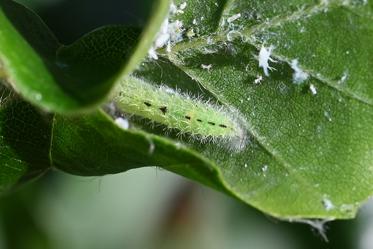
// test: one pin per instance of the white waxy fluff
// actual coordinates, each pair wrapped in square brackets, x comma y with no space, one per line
[264,58]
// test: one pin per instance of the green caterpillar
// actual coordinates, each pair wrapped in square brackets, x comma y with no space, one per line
[178,111]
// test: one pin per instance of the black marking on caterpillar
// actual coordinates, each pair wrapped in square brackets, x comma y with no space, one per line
[182,112]
[163,109]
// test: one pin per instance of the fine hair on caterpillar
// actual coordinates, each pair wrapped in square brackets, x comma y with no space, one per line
[188,116]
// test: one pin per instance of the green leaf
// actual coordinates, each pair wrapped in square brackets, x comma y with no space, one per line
[69,78]
[310,149]
[309,152]
[24,141]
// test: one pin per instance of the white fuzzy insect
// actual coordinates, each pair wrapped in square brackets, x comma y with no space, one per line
[264,58]
[122,123]
[206,67]
[313,89]
[234,18]
[169,33]
[258,79]
[299,75]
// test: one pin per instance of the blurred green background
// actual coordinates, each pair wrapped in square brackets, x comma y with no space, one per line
[146,208]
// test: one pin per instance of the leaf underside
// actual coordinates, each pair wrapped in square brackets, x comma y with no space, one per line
[309,152]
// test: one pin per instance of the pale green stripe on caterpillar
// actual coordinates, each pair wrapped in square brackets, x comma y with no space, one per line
[189,115]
